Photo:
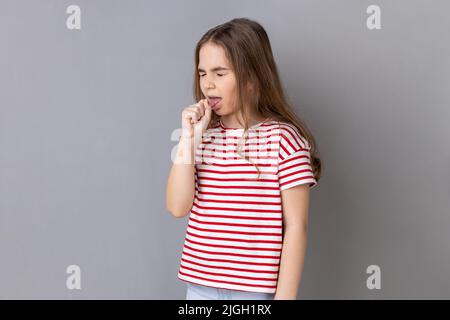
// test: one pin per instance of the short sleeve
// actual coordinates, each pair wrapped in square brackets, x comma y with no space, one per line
[294,159]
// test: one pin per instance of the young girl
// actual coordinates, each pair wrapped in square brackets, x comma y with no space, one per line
[242,172]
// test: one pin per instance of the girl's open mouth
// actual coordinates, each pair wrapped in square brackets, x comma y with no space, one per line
[214,101]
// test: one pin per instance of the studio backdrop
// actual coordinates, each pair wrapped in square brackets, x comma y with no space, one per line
[90,112]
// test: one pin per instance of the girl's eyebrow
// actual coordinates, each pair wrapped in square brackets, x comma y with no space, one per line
[213,69]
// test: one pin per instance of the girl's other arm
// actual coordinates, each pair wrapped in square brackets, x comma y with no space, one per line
[295,202]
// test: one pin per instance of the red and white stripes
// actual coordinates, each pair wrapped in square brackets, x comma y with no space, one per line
[234,234]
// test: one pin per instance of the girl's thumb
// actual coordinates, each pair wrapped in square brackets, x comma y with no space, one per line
[208,109]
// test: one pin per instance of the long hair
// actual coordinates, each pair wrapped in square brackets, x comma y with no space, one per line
[247,48]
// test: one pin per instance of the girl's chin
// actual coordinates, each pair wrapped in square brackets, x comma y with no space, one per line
[217,107]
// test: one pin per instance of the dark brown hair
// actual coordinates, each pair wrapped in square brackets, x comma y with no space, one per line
[248,50]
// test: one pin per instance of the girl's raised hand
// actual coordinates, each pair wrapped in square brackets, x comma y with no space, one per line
[195,119]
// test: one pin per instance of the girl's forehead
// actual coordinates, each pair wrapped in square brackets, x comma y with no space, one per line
[212,54]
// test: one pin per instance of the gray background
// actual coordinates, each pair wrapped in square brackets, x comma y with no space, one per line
[85,141]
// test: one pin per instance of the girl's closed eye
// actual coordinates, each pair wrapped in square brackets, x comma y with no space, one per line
[220,75]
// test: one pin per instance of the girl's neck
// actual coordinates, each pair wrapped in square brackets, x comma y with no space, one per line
[233,123]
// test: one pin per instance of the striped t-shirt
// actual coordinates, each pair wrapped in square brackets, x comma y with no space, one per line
[234,235]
